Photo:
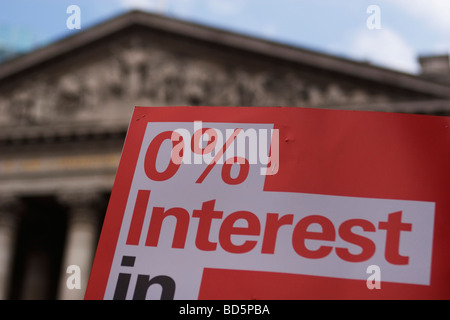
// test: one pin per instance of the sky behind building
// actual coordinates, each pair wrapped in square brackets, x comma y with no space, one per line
[404,29]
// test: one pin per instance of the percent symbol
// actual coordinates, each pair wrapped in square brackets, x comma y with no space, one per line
[226,168]
[177,153]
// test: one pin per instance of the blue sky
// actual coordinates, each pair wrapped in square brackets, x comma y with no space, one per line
[408,27]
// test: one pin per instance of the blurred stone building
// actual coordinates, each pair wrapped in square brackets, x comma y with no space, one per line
[65,109]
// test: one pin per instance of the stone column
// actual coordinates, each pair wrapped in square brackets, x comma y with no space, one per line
[83,218]
[9,211]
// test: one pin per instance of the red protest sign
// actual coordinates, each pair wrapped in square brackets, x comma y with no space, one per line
[277,203]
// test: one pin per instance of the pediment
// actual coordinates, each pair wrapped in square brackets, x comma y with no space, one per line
[99,75]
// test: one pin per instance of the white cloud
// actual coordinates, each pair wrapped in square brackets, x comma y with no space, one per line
[385,48]
[436,13]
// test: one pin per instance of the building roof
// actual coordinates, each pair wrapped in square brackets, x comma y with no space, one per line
[213,36]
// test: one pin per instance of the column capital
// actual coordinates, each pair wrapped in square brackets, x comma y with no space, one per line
[83,205]
[9,202]
[79,198]
[11,207]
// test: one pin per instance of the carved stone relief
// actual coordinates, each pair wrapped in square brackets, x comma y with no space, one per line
[137,72]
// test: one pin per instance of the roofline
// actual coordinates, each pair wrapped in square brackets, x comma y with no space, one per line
[213,35]
[428,56]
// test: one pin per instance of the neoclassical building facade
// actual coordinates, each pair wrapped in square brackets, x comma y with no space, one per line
[65,108]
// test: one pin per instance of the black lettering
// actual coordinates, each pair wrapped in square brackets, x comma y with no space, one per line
[144,282]
[123,281]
